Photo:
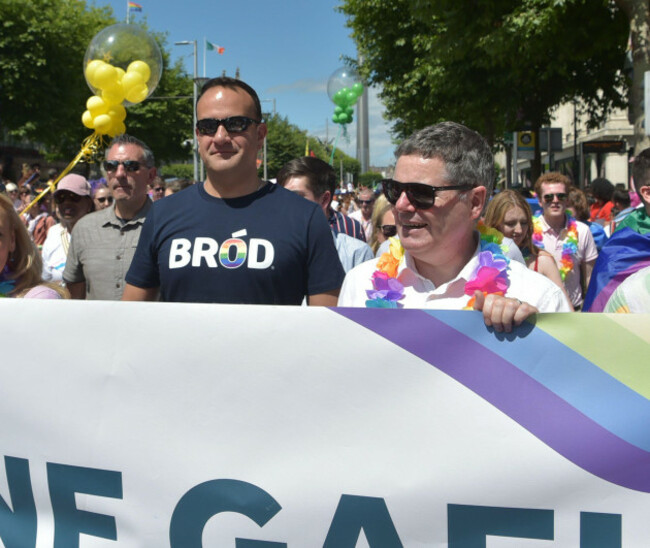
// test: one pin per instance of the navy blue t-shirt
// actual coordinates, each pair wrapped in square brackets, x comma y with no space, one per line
[270,247]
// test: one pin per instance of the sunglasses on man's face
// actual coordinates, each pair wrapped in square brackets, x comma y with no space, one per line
[108,199]
[548,198]
[129,165]
[388,230]
[420,195]
[159,189]
[233,124]
[366,202]
[64,195]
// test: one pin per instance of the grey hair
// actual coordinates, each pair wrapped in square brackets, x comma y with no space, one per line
[467,155]
[126,139]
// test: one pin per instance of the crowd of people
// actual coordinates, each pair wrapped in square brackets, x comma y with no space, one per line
[436,235]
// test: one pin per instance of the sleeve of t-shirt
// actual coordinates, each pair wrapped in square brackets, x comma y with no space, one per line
[143,271]
[591,251]
[74,272]
[324,270]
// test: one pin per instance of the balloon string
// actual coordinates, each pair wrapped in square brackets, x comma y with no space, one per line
[335,143]
[89,147]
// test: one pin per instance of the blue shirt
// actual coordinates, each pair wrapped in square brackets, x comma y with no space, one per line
[270,247]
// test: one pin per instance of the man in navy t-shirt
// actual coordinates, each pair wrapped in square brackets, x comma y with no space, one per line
[234,238]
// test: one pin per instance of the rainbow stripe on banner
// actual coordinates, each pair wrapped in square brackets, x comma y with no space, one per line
[587,387]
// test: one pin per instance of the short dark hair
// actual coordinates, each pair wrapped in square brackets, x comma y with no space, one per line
[466,154]
[126,139]
[233,83]
[320,175]
[641,171]
[602,189]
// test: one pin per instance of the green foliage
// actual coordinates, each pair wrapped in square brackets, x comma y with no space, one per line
[42,88]
[286,141]
[495,65]
[369,179]
[43,91]
[182,171]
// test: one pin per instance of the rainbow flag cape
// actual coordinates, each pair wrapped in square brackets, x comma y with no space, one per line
[623,254]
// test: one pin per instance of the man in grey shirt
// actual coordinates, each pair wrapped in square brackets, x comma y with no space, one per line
[103,243]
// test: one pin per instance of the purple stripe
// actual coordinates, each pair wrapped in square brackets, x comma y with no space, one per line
[606,292]
[559,425]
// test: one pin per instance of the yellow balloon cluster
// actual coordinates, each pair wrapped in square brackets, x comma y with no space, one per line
[105,112]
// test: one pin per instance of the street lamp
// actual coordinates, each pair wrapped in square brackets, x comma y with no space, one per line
[195,148]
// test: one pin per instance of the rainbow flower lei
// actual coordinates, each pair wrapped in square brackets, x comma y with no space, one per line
[490,276]
[569,246]
[6,285]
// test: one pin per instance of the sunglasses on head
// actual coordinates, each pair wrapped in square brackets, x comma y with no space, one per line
[129,165]
[561,196]
[103,199]
[420,195]
[388,230]
[63,195]
[233,124]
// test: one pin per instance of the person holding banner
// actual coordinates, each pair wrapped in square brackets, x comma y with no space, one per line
[443,176]
[234,238]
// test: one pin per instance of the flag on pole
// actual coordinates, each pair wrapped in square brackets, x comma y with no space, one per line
[215,47]
[307,148]
[135,7]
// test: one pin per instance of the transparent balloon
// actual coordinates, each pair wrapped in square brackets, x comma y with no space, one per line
[123,64]
[347,81]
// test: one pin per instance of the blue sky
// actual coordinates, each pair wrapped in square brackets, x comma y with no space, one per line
[285,49]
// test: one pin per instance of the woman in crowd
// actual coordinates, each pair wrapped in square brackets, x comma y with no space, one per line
[73,201]
[20,262]
[102,197]
[510,214]
[580,207]
[383,224]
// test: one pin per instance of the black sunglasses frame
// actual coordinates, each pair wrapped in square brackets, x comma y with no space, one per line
[388,230]
[62,195]
[233,124]
[129,165]
[420,196]
[561,196]
[103,199]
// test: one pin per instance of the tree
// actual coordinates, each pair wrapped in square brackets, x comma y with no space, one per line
[638,14]
[286,141]
[43,91]
[495,65]
[42,86]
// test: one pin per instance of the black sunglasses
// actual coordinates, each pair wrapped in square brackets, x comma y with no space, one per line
[548,198]
[233,124]
[129,165]
[420,195]
[63,195]
[388,230]
[159,189]
[103,199]
[366,202]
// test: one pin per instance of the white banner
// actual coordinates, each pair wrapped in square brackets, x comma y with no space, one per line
[152,425]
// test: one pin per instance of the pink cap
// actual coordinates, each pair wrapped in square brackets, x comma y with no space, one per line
[74,183]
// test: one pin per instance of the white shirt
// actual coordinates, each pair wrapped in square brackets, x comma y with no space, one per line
[366,225]
[54,253]
[352,251]
[419,292]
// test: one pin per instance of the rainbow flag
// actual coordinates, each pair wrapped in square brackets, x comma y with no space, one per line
[623,254]
[134,7]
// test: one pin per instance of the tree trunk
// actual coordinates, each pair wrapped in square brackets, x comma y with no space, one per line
[638,12]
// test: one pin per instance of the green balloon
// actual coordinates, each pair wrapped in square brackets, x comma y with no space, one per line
[357,87]
[349,111]
[339,98]
[335,118]
[344,118]
[350,119]
[338,110]
[351,97]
